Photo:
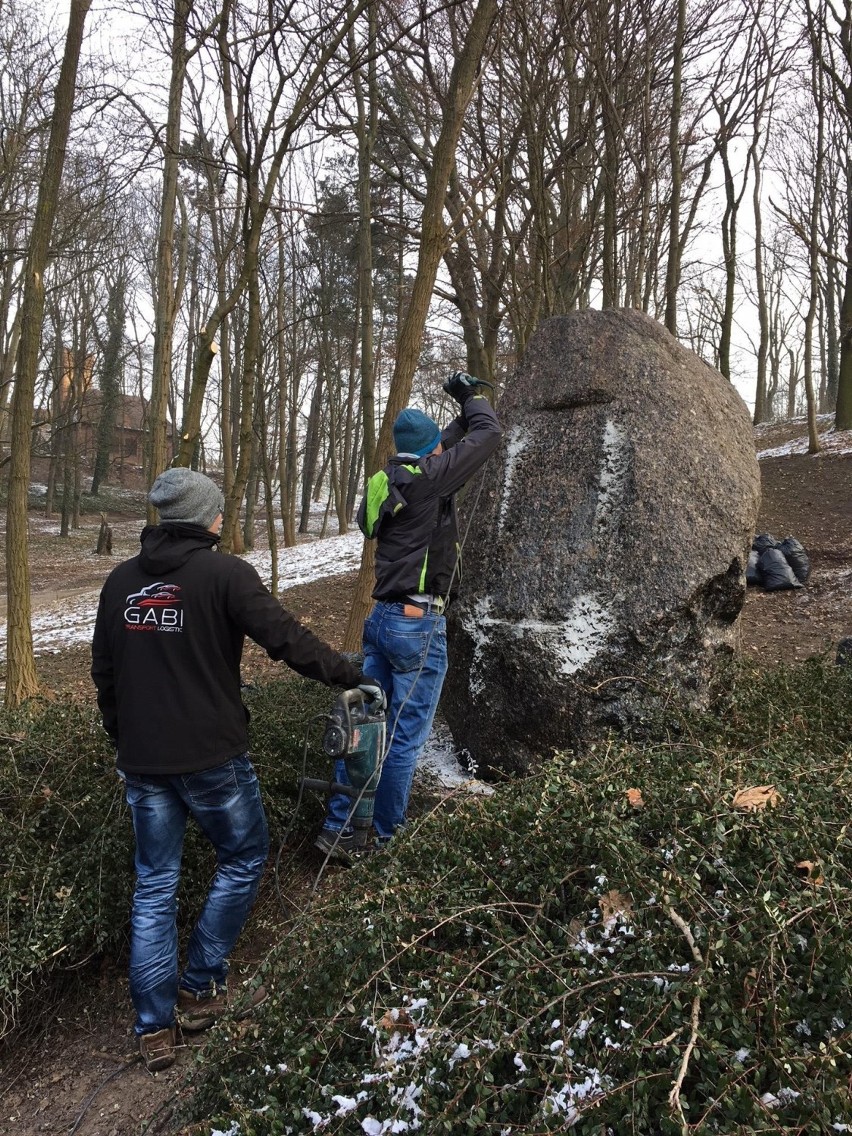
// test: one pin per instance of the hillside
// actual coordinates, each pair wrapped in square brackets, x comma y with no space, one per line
[809,498]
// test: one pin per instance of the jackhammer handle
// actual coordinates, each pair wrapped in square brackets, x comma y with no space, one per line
[353,697]
[334,788]
[354,705]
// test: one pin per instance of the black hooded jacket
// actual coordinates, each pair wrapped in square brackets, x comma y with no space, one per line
[410,507]
[167,647]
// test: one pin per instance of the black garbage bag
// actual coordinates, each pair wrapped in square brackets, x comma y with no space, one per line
[763,541]
[796,557]
[775,573]
[752,574]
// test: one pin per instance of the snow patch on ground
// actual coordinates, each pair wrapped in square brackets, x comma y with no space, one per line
[308,562]
[71,622]
[833,443]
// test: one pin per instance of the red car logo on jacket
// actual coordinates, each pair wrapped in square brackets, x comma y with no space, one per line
[156,595]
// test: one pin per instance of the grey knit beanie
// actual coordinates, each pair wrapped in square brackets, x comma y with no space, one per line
[183,495]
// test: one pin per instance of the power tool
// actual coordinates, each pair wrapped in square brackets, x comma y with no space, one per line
[355,732]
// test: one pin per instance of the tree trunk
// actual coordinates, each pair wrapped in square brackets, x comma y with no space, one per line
[312,445]
[21,676]
[271,531]
[792,382]
[843,415]
[673,265]
[289,367]
[367,128]
[165,299]
[729,257]
[110,383]
[7,370]
[609,177]
[814,255]
[252,490]
[839,33]
[832,353]
[762,409]
[433,237]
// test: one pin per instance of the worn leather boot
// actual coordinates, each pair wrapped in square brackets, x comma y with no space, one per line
[200,1011]
[158,1049]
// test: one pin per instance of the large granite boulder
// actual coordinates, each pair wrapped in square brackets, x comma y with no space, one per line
[604,564]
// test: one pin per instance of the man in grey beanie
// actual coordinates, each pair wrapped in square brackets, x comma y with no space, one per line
[166,652]
[187,497]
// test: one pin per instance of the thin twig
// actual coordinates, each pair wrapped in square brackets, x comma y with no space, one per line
[683,926]
[674,1095]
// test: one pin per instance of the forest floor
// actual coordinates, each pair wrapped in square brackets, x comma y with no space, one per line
[81,1076]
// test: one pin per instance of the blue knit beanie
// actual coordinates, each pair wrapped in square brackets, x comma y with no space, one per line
[415,433]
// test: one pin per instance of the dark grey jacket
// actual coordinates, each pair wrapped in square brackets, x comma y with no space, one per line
[409,507]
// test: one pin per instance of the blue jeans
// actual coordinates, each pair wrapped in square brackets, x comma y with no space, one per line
[408,657]
[226,804]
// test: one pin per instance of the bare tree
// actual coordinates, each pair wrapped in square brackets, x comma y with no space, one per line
[166,295]
[434,234]
[22,679]
[830,28]
[746,106]
[27,73]
[260,134]
[818,87]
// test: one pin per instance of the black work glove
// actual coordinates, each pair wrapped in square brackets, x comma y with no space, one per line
[371,689]
[461,386]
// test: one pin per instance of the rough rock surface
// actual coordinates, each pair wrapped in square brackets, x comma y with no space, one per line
[604,563]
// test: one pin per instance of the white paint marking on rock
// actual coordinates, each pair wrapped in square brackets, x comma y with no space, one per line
[473,625]
[612,477]
[570,642]
[518,440]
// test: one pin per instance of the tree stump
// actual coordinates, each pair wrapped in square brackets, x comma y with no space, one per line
[104,538]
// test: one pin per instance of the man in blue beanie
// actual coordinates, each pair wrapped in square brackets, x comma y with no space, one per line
[409,509]
[168,639]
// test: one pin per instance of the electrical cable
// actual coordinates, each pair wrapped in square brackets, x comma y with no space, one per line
[91,1097]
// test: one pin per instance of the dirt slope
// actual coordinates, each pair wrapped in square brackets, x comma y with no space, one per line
[809,498]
